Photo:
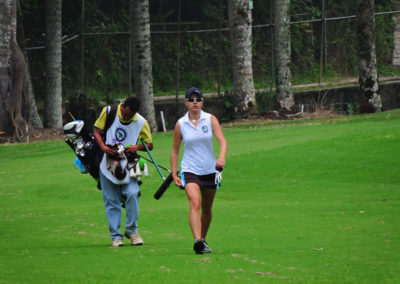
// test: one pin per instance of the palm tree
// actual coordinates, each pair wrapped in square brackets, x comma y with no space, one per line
[53,112]
[141,48]
[240,22]
[368,75]
[282,48]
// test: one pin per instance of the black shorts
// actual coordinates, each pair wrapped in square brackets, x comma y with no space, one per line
[205,181]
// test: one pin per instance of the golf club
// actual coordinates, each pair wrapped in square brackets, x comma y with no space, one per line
[167,181]
[149,160]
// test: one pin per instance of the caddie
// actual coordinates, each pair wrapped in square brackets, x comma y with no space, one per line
[126,129]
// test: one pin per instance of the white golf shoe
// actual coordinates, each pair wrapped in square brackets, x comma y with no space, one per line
[117,243]
[136,240]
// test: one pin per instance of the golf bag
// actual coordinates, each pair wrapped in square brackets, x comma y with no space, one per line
[89,154]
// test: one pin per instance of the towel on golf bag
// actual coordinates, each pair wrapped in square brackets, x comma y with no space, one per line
[122,163]
[117,164]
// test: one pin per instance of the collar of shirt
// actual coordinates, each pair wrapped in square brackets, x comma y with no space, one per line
[134,118]
[187,119]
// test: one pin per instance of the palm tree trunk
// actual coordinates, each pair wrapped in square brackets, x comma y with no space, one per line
[142,63]
[284,94]
[368,75]
[240,22]
[53,112]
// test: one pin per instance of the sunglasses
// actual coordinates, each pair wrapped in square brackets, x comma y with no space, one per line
[191,100]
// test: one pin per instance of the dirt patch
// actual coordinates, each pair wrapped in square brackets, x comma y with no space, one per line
[37,134]
[275,116]
[40,134]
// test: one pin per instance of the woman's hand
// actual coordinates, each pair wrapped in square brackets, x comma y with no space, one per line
[220,163]
[177,180]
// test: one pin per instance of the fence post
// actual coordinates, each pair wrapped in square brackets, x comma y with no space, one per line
[178,55]
[322,45]
[272,45]
[83,46]
[130,56]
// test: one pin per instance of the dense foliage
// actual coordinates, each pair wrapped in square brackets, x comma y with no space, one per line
[204,57]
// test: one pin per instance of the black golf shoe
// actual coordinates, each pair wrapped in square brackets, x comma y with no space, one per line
[198,247]
[206,248]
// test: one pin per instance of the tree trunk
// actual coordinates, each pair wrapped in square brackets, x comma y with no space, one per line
[368,75]
[142,64]
[34,118]
[240,22]
[53,111]
[14,100]
[284,94]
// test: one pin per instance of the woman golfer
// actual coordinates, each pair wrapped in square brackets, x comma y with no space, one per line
[198,166]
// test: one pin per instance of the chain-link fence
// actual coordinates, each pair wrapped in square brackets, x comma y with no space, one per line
[198,53]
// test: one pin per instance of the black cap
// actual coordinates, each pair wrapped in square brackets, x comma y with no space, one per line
[193,90]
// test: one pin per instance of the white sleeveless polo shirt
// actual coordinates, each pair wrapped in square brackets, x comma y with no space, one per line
[198,153]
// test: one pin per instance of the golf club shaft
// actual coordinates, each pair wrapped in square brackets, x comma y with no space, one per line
[148,160]
[151,157]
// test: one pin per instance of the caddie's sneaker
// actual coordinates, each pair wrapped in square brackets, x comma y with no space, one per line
[136,240]
[198,246]
[117,243]
[206,248]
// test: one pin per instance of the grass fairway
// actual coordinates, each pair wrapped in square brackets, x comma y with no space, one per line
[311,201]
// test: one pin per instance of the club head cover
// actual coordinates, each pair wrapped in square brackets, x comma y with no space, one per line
[164,186]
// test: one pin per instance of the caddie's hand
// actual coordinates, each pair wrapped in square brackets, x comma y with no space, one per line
[131,149]
[109,151]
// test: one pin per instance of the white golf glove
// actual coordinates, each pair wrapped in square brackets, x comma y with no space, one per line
[218,177]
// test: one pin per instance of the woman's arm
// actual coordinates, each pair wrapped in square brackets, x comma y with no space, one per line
[223,145]
[175,154]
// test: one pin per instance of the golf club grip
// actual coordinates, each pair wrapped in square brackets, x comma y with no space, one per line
[167,182]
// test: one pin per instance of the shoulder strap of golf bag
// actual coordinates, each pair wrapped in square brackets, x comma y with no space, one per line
[111,113]
[95,156]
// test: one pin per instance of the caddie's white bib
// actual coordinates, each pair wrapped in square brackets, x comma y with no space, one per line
[124,134]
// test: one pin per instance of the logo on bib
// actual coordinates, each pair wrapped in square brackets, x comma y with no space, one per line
[205,129]
[120,134]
